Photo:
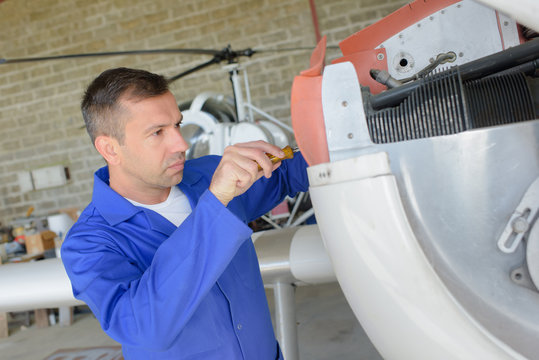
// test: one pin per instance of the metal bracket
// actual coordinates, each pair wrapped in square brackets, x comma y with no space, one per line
[521,220]
[344,115]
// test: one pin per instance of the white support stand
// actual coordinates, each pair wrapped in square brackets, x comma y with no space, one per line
[285,319]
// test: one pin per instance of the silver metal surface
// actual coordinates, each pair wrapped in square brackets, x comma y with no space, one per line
[409,51]
[459,191]
[532,253]
[197,140]
[273,251]
[343,108]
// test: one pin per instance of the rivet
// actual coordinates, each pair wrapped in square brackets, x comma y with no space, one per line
[350,135]
[344,103]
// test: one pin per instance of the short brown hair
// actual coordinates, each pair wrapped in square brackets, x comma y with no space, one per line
[101,102]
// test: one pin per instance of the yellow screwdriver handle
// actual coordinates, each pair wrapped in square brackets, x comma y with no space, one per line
[288,154]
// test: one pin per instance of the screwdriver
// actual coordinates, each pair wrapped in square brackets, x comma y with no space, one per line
[288,154]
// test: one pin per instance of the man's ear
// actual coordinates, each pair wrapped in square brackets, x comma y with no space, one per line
[108,148]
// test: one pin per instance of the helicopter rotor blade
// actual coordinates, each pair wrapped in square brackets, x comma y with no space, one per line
[225,54]
[194,51]
[299,48]
[112,53]
[192,70]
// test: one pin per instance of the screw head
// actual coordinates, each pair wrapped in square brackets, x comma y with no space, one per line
[520,225]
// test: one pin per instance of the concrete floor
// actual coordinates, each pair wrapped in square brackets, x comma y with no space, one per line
[36,344]
[327,329]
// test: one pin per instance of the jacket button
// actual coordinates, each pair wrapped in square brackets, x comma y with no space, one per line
[239,326]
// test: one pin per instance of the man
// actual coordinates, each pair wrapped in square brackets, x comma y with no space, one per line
[162,255]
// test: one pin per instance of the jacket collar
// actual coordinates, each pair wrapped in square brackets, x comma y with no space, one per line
[116,209]
[112,206]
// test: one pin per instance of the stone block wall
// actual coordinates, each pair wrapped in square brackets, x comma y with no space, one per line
[40,120]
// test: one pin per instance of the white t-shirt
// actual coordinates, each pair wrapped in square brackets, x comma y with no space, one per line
[175,208]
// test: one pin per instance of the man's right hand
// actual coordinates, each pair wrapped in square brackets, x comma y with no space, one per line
[238,169]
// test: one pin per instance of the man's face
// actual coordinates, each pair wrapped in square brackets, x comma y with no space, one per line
[153,153]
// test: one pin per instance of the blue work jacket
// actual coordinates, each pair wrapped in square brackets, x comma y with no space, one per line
[187,292]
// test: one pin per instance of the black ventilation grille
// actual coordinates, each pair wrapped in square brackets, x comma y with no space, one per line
[443,105]
[499,100]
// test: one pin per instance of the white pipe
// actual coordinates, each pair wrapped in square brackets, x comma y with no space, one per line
[288,257]
[199,100]
[270,118]
[309,261]
[285,320]
[248,94]
[238,94]
[293,255]
[35,285]
[307,214]
[295,208]
[271,222]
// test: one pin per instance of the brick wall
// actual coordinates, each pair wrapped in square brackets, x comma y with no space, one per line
[40,120]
